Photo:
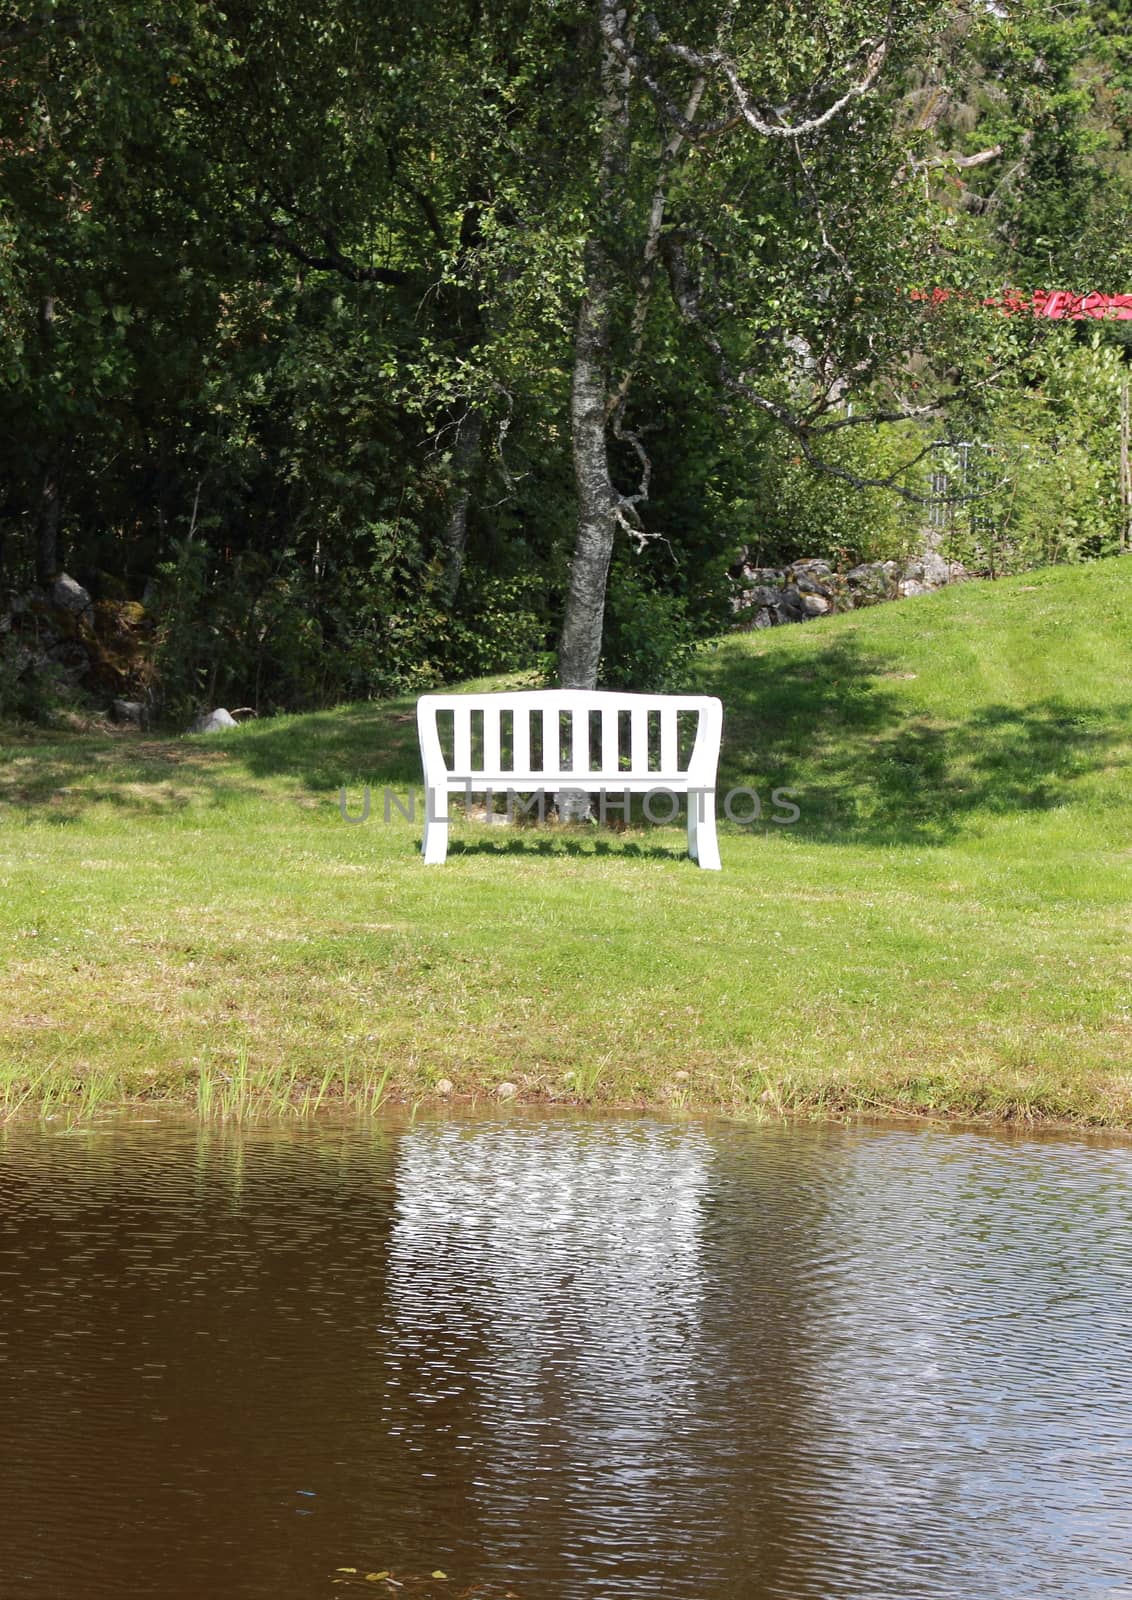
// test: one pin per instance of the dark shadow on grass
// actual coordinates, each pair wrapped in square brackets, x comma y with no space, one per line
[374,744]
[870,766]
[58,781]
[868,763]
[57,777]
[578,849]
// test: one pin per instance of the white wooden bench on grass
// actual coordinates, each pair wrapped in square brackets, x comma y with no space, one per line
[546,740]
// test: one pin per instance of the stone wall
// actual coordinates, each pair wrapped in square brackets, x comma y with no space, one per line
[57,635]
[766,597]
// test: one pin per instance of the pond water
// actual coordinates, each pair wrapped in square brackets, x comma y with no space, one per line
[557,1357]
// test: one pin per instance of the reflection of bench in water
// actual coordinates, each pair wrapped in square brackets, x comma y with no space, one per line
[593,741]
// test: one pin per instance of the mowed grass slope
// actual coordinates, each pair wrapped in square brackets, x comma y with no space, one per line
[947,928]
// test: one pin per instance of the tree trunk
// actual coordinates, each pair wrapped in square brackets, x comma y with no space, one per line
[465,457]
[579,649]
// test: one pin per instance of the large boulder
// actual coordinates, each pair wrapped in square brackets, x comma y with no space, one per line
[128,713]
[68,595]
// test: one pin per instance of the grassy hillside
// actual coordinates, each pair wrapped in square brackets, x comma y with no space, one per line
[947,927]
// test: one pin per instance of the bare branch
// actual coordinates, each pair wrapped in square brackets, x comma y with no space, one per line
[757,117]
[333,260]
[952,160]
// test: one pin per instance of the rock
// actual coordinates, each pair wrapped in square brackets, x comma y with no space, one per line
[67,595]
[445,1086]
[506,1091]
[790,607]
[929,569]
[130,713]
[213,722]
[870,583]
[764,597]
[934,573]
[814,570]
[681,1076]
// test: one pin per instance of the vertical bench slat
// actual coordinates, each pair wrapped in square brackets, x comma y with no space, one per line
[521,739]
[462,740]
[491,738]
[639,740]
[668,762]
[610,743]
[551,760]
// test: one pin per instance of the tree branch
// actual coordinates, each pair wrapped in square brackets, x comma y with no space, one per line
[803,429]
[951,159]
[650,255]
[333,260]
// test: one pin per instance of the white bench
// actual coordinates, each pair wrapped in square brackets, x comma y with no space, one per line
[544,741]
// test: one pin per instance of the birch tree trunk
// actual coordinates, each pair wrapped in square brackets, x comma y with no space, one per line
[580,646]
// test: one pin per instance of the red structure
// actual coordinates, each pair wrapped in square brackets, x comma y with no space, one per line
[1059,304]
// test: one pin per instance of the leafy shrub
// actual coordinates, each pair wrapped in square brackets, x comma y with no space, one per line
[648,640]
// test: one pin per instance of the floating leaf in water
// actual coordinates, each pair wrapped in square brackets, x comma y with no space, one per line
[345,1569]
[376,1577]
[439,1574]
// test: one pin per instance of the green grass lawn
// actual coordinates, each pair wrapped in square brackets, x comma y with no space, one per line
[947,928]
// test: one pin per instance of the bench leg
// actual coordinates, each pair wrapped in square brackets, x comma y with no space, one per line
[434,845]
[703,846]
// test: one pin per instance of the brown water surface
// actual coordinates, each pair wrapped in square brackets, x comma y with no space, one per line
[558,1357]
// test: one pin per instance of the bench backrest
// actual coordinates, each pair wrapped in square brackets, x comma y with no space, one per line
[589,736]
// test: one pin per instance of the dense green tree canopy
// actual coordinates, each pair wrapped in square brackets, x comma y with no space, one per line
[366,346]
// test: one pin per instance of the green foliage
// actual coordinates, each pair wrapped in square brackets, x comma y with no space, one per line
[1049,477]
[791,509]
[28,696]
[290,252]
[502,625]
[649,640]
